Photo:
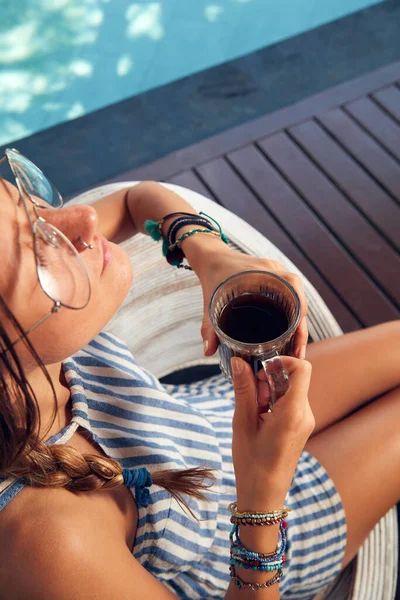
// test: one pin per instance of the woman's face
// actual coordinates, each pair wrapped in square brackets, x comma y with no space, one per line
[65,332]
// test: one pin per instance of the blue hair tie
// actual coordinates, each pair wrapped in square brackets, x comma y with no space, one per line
[140,479]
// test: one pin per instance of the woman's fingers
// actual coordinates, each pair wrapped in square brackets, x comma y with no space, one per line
[289,363]
[292,413]
[300,339]
[210,339]
[301,335]
[244,386]
[299,372]
[296,411]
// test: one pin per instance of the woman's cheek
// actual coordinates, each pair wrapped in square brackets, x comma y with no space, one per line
[67,331]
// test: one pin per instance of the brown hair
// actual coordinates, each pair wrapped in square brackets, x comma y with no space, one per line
[24,455]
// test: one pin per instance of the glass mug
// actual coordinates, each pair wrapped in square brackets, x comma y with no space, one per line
[255,315]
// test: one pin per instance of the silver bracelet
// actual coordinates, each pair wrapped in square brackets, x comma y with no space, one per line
[252,585]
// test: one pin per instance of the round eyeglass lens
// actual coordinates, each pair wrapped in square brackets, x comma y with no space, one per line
[61,271]
[34,182]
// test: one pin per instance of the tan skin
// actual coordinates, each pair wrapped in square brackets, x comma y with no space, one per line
[79,545]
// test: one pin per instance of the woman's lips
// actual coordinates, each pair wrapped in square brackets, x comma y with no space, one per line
[107,252]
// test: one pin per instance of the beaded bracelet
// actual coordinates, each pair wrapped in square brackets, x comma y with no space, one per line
[252,585]
[257,561]
[269,554]
[259,522]
[255,566]
[170,248]
[257,518]
[238,550]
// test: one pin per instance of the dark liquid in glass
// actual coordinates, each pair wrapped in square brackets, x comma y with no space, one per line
[253,319]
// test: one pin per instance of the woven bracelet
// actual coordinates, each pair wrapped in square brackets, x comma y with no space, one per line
[178,223]
[190,233]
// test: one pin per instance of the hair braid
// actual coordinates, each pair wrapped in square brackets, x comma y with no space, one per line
[62,466]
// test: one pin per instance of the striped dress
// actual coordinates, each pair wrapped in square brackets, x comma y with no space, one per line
[141,423]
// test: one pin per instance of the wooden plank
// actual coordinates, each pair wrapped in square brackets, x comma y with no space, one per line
[232,193]
[347,224]
[222,143]
[223,180]
[289,234]
[389,99]
[364,149]
[190,180]
[362,189]
[379,124]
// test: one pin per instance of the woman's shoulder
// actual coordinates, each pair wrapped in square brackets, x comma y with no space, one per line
[35,505]
[27,520]
[45,528]
[38,519]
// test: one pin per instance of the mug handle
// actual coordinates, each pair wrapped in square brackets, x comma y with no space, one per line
[277,379]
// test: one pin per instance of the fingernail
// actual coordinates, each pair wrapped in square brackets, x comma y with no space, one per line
[237,365]
[205,344]
[302,353]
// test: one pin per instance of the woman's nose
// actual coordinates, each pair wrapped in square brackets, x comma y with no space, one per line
[77,222]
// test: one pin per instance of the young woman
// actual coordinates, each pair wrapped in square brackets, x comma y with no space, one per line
[80,422]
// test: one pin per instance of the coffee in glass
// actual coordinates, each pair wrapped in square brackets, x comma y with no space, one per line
[255,315]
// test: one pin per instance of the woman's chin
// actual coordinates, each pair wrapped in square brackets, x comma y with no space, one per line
[119,274]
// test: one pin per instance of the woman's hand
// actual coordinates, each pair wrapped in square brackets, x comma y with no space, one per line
[266,447]
[220,265]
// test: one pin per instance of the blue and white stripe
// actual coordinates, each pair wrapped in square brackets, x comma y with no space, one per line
[141,423]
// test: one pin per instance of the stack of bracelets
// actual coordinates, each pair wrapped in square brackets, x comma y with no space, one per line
[171,244]
[256,561]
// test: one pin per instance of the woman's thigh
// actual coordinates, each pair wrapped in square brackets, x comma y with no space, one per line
[361,453]
[351,370]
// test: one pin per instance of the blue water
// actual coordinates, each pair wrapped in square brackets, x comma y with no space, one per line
[60,59]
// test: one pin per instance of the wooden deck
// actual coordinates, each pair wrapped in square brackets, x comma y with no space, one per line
[321,180]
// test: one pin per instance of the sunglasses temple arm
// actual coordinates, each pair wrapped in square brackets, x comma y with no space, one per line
[55,309]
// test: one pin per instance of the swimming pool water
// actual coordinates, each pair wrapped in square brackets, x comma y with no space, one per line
[60,59]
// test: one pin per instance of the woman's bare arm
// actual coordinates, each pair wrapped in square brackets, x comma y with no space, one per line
[145,200]
[114,222]
[150,200]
